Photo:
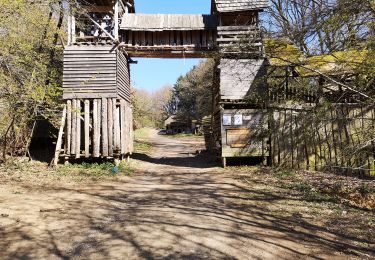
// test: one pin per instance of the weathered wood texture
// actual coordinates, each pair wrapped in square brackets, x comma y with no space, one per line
[244,133]
[89,72]
[239,5]
[335,139]
[102,129]
[240,79]
[123,77]
[245,41]
[168,22]
[179,44]
[95,72]
[169,35]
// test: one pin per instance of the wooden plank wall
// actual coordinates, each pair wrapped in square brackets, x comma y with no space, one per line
[197,39]
[241,77]
[242,40]
[123,77]
[336,139]
[98,128]
[89,72]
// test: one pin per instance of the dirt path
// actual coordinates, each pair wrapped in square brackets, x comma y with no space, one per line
[176,206]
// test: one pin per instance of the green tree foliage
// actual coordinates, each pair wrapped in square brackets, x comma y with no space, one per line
[30,68]
[151,109]
[322,26]
[339,34]
[192,93]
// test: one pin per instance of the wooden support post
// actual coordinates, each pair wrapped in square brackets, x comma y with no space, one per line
[69,127]
[99,124]
[116,125]
[123,127]
[87,128]
[104,127]
[73,29]
[116,29]
[96,130]
[131,135]
[74,127]
[69,30]
[110,127]
[78,130]
[60,137]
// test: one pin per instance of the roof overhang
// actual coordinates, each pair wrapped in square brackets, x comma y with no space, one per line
[225,6]
[165,22]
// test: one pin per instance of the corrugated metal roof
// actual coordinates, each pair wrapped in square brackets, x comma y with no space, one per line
[240,5]
[162,22]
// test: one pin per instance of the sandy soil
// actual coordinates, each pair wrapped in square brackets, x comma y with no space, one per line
[177,205]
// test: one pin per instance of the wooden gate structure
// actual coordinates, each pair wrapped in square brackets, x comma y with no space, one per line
[104,36]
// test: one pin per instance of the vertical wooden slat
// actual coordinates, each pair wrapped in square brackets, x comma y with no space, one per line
[87,128]
[131,135]
[74,126]
[78,130]
[184,38]
[100,124]
[178,38]
[69,127]
[188,38]
[104,127]
[204,38]
[60,137]
[116,18]
[96,129]
[110,127]
[131,38]
[117,126]
[143,39]
[123,126]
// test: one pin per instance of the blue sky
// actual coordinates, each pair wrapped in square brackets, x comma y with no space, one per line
[152,74]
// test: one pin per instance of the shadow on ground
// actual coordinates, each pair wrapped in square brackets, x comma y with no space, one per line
[168,216]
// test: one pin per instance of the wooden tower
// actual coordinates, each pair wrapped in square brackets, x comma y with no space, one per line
[97,119]
[240,121]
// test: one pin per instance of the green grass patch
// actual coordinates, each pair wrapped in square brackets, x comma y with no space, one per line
[142,147]
[285,174]
[96,169]
[142,133]
[184,136]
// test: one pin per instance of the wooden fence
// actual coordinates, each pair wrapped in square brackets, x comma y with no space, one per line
[337,138]
[96,128]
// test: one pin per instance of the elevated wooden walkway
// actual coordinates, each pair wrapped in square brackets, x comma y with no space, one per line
[168,35]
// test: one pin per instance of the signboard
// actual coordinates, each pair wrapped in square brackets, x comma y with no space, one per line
[238,138]
[227,120]
[238,120]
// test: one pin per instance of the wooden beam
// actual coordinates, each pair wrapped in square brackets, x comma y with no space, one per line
[60,137]
[116,28]
[116,121]
[74,126]
[73,29]
[98,9]
[78,130]
[110,127]
[87,128]
[96,137]
[104,30]
[104,127]
[69,127]
[99,123]
[123,126]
